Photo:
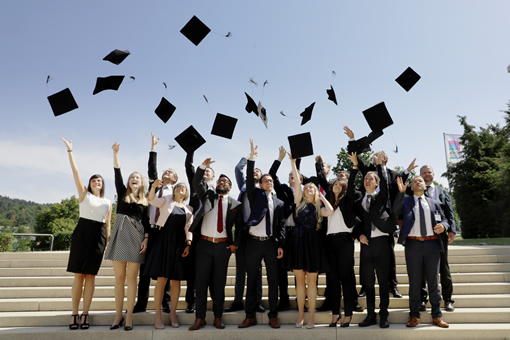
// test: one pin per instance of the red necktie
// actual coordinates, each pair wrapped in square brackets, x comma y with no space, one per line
[156,216]
[220,214]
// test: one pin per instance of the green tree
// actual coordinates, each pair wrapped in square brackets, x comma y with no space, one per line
[345,164]
[57,218]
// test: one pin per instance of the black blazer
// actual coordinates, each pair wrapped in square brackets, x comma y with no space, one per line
[190,173]
[378,214]
[283,191]
[208,197]
[259,206]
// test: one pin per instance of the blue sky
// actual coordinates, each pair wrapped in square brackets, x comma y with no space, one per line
[460,49]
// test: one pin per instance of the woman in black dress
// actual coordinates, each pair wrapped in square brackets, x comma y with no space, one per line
[88,241]
[340,251]
[129,237]
[165,259]
[305,252]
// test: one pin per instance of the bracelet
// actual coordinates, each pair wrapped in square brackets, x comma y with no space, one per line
[70,150]
[354,167]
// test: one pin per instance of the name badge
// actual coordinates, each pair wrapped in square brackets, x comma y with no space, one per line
[438,217]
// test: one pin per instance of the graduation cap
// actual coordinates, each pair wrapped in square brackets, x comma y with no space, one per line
[301,145]
[363,144]
[262,113]
[251,106]
[378,117]
[190,139]
[195,30]
[224,126]
[508,68]
[408,79]
[165,110]
[108,83]
[331,95]
[116,56]
[62,102]
[307,114]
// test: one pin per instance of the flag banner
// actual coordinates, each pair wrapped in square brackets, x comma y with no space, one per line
[453,148]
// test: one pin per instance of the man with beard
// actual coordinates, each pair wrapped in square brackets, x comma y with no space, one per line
[214,224]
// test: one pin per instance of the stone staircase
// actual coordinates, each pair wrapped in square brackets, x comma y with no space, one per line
[35,303]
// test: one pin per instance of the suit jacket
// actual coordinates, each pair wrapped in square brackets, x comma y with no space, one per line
[377,214]
[207,197]
[406,206]
[153,170]
[259,207]
[190,173]
[283,191]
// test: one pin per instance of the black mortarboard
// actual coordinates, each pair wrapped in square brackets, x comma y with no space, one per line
[195,30]
[190,139]
[251,106]
[62,102]
[331,95]
[363,144]
[262,113]
[301,145]
[408,79]
[108,83]
[116,56]
[224,126]
[165,110]
[307,114]
[378,117]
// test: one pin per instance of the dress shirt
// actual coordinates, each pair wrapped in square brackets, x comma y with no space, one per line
[432,191]
[336,223]
[260,229]
[168,192]
[415,230]
[210,221]
[375,232]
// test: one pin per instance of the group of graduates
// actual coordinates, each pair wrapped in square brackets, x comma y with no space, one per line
[307,226]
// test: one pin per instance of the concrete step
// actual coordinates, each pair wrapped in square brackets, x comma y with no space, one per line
[462,331]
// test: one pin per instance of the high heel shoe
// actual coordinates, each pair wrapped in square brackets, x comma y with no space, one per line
[112,327]
[128,328]
[75,324]
[346,324]
[333,324]
[310,326]
[300,324]
[85,324]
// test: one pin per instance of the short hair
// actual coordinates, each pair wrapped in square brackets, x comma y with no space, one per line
[426,166]
[101,192]
[176,176]
[265,175]
[377,178]
[346,173]
[299,174]
[184,185]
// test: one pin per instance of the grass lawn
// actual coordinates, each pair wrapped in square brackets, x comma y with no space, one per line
[459,241]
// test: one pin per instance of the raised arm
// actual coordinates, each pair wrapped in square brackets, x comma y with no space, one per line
[82,189]
[298,192]
[319,168]
[352,176]
[239,172]
[153,161]
[397,205]
[327,209]
[190,170]
[250,181]
[199,185]
[116,161]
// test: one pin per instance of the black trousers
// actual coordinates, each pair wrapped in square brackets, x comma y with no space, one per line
[445,277]
[256,251]
[423,257]
[211,271]
[341,261]
[240,283]
[189,271]
[376,257]
[392,274]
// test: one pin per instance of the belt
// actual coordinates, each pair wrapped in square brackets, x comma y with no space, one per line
[339,233]
[213,239]
[260,238]
[422,238]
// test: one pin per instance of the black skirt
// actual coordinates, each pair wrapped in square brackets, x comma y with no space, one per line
[87,247]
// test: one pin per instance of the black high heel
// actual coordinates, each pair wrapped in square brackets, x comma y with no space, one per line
[346,324]
[112,327]
[75,324]
[85,324]
[333,324]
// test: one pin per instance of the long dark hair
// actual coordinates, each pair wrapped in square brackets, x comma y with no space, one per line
[331,195]
[101,193]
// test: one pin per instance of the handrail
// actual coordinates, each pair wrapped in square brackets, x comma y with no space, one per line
[50,235]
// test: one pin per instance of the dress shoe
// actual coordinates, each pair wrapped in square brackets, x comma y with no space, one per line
[346,324]
[384,323]
[273,322]
[190,308]
[358,307]
[396,293]
[326,307]
[333,324]
[362,293]
[448,306]
[112,327]
[199,323]
[166,309]
[283,305]
[260,309]
[248,322]
[440,322]
[423,307]
[234,307]
[138,309]
[413,322]
[128,328]
[218,323]
[369,321]
[75,324]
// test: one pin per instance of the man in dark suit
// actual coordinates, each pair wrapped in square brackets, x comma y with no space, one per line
[265,234]
[214,225]
[373,233]
[423,220]
[441,195]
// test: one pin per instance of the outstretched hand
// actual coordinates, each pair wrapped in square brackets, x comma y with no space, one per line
[401,186]
[253,150]
[68,144]
[354,158]
[348,132]
[116,147]
[282,153]
[412,166]
[154,141]
[207,163]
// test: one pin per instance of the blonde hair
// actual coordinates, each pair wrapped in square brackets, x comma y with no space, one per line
[187,191]
[140,197]
[316,202]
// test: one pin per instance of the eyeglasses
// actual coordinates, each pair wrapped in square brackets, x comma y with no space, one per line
[224,180]
[180,186]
